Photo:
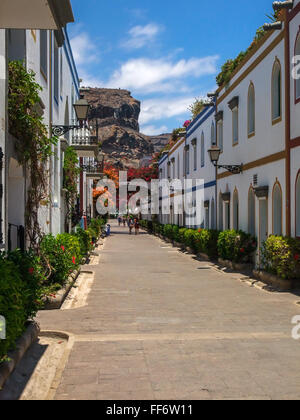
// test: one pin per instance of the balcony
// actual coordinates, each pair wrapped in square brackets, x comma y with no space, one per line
[94,171]
[84,144]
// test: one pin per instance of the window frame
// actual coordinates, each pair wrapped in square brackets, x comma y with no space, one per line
[276,119]
[235,111]
[251,89]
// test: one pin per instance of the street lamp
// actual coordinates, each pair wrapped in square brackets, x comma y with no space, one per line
[81,108]
[214,154]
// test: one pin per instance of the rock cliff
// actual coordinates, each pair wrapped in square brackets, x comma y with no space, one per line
[117,114]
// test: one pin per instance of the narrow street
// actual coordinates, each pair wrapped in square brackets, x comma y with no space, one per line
[159,324]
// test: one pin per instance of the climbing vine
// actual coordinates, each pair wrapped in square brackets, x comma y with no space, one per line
[33,145]
[71,173]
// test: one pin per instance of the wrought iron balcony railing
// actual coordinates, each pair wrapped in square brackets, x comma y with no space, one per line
[93,171]
[84,143]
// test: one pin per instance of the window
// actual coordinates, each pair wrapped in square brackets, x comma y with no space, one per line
[187,161]
[251,212]
[235,126]
[202,150]
[236,210]
[212,134]
[298,205]
[220,135]
[276,91]
[251,110]
[195,157]
[56,71]
[44,52]
[169,170]
[277,210]
[174,165]
[297,81]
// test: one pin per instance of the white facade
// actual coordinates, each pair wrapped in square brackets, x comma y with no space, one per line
[253,126]
[56,74]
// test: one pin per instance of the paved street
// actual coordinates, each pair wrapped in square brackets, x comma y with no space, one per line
[161,325]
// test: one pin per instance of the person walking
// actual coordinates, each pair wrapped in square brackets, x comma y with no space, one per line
[130,225]
[119,220]
[137,226]
[124,221]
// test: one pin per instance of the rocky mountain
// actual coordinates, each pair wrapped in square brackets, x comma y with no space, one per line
[159,142]
[117,114]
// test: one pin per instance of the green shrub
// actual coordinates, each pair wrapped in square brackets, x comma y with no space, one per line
[180,235]
[175,232]
[168,231]
[236,246]
[281,256]
[59,259]
[84,241]
[96,225]
[209,242]
[71,244]
[189,238]
[20,277]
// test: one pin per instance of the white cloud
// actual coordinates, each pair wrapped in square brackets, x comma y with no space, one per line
[84,50]
[151,130]
[144,74]
[140,36]
[162,109]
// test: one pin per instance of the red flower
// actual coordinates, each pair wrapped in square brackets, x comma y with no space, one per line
[74,260]
[199,230]
[63,248]
[31,270]
[242,250]
[296,257]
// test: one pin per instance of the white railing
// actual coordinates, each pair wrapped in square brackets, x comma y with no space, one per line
[82,137]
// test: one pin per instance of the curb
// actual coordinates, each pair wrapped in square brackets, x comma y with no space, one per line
[22,345]
[56,303]
[274,281]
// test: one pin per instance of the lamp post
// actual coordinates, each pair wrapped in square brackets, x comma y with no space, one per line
[214,153]
[81,108]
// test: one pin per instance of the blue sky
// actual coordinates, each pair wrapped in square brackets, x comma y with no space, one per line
[165,52]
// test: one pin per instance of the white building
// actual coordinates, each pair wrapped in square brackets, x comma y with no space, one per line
[45,49]
[256,124]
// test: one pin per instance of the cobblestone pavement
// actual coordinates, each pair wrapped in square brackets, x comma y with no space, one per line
[161,325]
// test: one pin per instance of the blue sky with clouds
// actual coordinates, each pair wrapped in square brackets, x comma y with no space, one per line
[165,52]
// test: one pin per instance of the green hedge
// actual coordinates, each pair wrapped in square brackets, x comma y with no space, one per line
[236,246]
[232,245]
[26,278]
[281,256]
[20,294]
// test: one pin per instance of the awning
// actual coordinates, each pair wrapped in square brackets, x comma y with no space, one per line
[35,14]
